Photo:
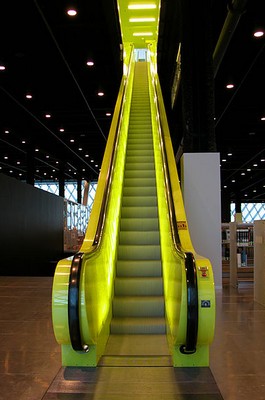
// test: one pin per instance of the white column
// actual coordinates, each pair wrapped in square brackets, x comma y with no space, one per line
[201,189]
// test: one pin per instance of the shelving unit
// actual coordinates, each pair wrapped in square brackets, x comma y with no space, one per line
[237,253]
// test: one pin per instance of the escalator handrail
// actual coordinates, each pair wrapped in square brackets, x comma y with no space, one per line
[190,266]
[76,265]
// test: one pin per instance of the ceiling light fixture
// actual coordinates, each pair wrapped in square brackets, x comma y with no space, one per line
[71,12]
[230,86]
[2,67]
[29,96]
[90,63]
[143,34]
[258,34]
[262,118]
[61,130]
[108,114]
[100,94]
[142,19]
[150,6]
[47,115]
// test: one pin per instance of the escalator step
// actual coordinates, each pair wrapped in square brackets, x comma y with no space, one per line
[139,191]
[139,252]
[139,237]
[138,212]
[138,201]
[138,326]
[137,174]
[138,268]
[139,166]
[139,224]
[131,286]
[138,306]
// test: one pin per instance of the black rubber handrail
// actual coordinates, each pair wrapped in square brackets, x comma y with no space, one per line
[190,266]
[73,304]
[76,265]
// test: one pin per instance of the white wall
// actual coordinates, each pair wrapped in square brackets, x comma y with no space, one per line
[200,174]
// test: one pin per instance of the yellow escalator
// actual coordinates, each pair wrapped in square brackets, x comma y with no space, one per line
[137,272]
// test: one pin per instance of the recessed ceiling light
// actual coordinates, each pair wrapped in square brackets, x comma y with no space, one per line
[72,140]
[108,114]
[229,154]
[243,173]
[6,131]
[223,160]
[233,180]
[6,157]
[47,156]
[254,191]
[37,150]
[262,118]
[225,187]
[61,130]
[23,141]
[29,96]
[230,86]
[262,159]
[255,165]
[18,162]
[100,94]
[258,34]
[245,195]
[150,6]
[249,169]
[2,67]
[47,115]
[90,63]
[80,149]
[86,155]
[92,160]
[71,12]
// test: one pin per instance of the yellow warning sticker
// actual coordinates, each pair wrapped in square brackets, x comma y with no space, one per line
[182,225]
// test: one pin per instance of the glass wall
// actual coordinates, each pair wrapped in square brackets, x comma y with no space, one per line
[250,211]
[76,216]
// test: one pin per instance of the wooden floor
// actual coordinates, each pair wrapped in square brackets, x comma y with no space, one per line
[30,364]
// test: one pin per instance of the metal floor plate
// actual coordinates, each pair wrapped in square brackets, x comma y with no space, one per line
[134,382]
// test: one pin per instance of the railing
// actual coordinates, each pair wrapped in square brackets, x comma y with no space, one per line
[76,265]
[191,274]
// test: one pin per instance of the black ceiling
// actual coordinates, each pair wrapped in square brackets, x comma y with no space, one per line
[45,53]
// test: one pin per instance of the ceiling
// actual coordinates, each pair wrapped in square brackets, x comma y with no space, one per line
[45,52]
